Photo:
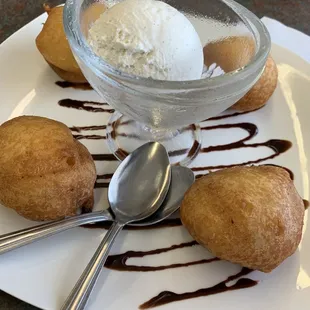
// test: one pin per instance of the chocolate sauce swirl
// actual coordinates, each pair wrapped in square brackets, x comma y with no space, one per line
[223,116]
[118,262]
[89,137]
[87,128]
[106,176]
[66,84]
[249,127]
[277,146]
[166,297]
[90,106]
[104,157]
[101,185]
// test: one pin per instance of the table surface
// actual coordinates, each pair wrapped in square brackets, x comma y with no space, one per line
[16,13]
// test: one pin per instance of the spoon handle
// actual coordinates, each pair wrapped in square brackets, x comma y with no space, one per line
[80,293]
[23,237]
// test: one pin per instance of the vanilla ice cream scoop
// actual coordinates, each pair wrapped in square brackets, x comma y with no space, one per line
[148,38]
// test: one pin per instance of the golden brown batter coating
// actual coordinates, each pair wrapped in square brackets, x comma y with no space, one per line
[260,93]
[252,216]
[230,53]
[54,47]
[73,77]
[45,173]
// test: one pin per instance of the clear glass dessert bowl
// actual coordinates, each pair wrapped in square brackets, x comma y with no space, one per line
[234,39]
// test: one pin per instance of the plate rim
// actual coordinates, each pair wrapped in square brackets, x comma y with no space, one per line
[6,45]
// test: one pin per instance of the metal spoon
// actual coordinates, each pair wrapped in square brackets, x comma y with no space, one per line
[137,189]
[181,179]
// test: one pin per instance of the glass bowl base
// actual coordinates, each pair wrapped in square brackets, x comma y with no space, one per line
[124,135]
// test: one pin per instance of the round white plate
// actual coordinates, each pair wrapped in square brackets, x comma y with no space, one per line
[44,273]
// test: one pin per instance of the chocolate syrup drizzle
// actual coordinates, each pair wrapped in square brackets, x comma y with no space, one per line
[89,106]
[277,146]
[101,185]
[104,157]
[166,297]
[223,116]
[89,137]
[87,128]
[118,262]
[106,176]
[66,84]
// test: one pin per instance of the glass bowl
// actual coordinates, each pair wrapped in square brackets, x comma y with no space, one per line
[169,111]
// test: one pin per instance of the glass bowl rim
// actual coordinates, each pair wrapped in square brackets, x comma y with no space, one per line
[102,69]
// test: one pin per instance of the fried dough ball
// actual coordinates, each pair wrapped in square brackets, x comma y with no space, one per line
[230,53]
[45,173]
[260,93]
[54,47]
[252,216]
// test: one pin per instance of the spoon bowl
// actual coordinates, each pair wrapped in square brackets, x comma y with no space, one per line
[136,189]
[181,180]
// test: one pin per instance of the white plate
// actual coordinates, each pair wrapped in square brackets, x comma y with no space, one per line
[44,273]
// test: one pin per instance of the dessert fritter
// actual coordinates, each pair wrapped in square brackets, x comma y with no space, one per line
[263,89]
[252,216]
[54,47]
[230,53]
[45,173]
